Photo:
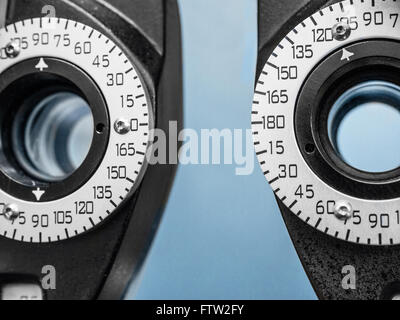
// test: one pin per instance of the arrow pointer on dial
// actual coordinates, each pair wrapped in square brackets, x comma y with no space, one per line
[42,65]
[38,193]
[347,55]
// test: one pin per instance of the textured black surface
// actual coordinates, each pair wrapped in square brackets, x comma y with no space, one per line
[377,268]
[147,15]
[323,257]
[23,77]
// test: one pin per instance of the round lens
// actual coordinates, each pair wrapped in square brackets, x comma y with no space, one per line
[53,136]
[364,126]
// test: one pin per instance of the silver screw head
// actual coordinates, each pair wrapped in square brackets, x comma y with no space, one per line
[11,211]
[343,210]
[341,31]
[122,126]
[13,49]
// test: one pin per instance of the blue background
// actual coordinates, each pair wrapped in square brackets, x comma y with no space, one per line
[222,236]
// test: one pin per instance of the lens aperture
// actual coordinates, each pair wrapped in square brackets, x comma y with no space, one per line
[364,126]
[54,137]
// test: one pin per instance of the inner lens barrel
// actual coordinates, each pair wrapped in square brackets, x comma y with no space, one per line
[364,126]
[52,136]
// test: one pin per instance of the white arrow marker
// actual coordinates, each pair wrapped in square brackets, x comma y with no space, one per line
[41,65]
[347,55]
[38,193]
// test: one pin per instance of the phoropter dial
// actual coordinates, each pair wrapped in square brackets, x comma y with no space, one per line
[344,57]
[75,128]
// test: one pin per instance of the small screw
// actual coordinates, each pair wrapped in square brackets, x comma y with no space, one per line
[13,49]
[343,210]
[341,31]
[122,126]
[11,212]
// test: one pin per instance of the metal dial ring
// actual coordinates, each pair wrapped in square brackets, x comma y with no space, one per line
[288,120]
[106,77]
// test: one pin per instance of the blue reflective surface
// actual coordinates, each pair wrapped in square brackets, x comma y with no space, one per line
[368,134]
[222,236]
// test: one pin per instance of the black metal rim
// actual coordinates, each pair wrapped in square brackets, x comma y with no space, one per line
[375,60]
[20,81]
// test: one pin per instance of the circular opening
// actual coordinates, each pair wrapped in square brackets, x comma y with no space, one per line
[364,126]
[100,128]
[51,135]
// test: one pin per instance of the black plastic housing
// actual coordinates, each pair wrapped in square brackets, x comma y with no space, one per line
[323,256]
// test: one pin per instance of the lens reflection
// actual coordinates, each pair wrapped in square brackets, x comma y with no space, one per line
[364,126]
[55,137]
